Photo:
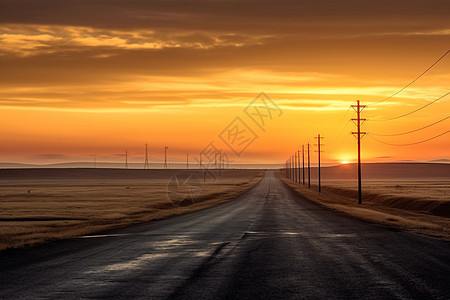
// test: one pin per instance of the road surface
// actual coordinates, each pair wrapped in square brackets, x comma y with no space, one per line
[268,243]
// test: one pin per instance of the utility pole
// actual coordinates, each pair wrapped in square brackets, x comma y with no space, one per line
[303,160]
[187,161]
[295,167]
[200,160]
[309,169]
[146,166]
[298,170]
[358,134]
[126,159]
[318,151]
[165,156]
[287,168]
[290,167]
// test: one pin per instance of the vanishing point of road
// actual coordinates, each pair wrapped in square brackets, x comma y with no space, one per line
[267,243]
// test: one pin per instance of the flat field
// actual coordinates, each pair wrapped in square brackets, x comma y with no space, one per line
[40,205]
[402,199]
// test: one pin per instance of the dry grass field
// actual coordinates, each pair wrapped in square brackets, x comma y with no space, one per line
[39,205]
[418,204]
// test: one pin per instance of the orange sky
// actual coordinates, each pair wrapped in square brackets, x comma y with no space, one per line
[84,78]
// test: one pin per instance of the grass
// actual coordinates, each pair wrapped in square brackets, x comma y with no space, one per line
[418,206]
[35,210]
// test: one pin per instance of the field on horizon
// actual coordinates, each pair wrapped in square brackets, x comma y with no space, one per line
[413,196]
[51,204]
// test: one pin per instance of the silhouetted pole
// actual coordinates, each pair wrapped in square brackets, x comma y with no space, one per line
[126,159]
[358,108]
[165,156]
[318,151]
[309,169]
[200,160]
[295,167]
[146,165]
[287,169]
[298,169]
[290,168]
[303,161]
[187,161]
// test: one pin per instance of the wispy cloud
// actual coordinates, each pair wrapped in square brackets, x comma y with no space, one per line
[30,40]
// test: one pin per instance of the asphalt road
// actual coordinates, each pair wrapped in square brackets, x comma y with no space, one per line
[268,243]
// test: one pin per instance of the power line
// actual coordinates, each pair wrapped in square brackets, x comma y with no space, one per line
[339,137]
[429,139]
[411,112]
[408,132]
[340,123]
[405,87]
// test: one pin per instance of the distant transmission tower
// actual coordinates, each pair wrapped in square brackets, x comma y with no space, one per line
[165,156]
[146,164]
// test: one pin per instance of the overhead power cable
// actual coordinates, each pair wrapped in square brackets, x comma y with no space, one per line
[411,112]
[405,87]
[429,139]
[411,131]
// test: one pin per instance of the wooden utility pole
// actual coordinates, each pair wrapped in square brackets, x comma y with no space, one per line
[165,157]
[318,151]
[298,169]
[289,160]
[303,161]
[287,168]
[146,164]
[295,167]
[292,168]
[309,169]
[358,134]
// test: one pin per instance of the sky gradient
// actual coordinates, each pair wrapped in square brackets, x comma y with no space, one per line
[83,78]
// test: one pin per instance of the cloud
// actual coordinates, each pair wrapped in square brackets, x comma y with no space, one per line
[27,40]
[223,15]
